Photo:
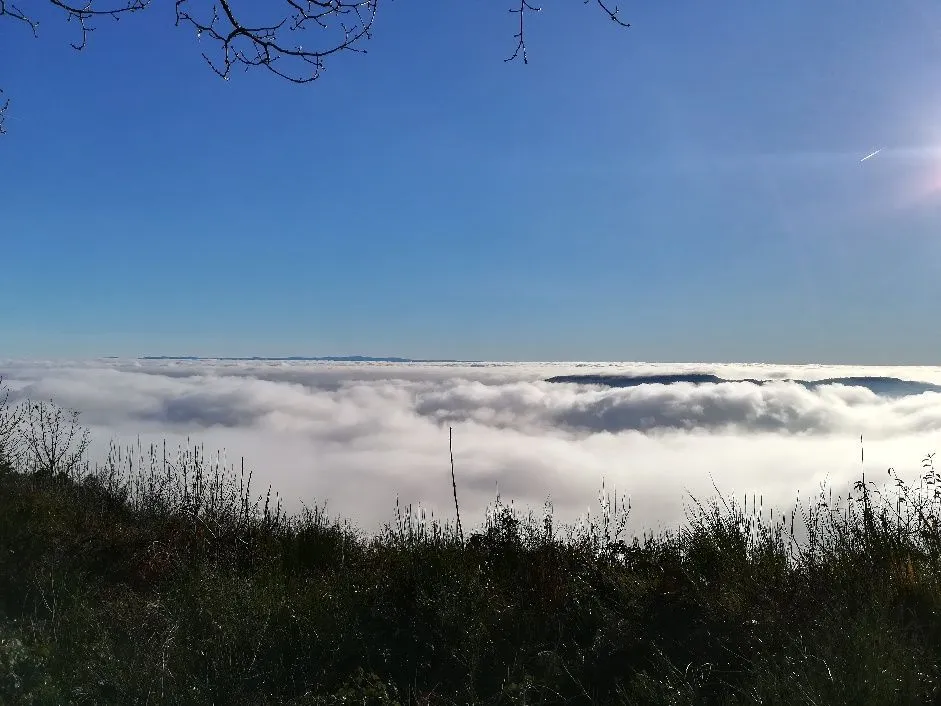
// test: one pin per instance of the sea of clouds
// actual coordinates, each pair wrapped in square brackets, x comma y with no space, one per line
[358,435]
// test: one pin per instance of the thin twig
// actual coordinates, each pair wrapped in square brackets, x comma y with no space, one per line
[520,36]
[265,45]
[457,509]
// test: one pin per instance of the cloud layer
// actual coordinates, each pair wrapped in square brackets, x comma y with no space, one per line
[358,434]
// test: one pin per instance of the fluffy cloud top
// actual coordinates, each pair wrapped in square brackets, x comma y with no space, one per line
[357,435]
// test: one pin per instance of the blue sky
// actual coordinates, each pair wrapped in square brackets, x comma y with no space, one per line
[689,189]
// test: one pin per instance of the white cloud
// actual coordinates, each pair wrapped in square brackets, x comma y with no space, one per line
[356,435]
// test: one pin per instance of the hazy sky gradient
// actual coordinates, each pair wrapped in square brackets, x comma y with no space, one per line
[689,189]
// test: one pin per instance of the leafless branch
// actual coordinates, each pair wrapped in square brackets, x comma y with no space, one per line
[83,14]
[520,36]
[55,443]
[613,14]
[9,424]
[3,112]
[346,24]
[274,44]
[89,11]
[525,6]
[8,9]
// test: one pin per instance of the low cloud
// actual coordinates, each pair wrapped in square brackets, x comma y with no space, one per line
[741,407]
[358,435]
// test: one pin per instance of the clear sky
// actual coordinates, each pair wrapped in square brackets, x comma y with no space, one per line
[688,189]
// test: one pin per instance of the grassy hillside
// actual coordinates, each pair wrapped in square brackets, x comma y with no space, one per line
[176,584]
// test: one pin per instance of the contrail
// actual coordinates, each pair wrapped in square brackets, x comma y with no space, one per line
[870,156]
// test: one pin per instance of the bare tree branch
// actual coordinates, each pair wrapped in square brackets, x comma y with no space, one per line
[344,23]
[3,113]
[88,11]
[9,424]
[525,6]
[520,36]
[55,443]
[82,14]
[613,14]
[275,44]
[8,9]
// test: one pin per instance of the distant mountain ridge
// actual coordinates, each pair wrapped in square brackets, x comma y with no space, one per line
[885,386]
[325,359]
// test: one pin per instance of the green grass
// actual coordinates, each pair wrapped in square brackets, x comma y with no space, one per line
[170,582]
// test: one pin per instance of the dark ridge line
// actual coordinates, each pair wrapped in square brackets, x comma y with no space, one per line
[879,385]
